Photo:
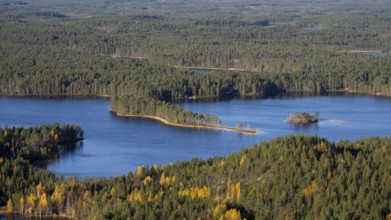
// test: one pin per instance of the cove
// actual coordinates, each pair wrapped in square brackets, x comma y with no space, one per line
[115,145]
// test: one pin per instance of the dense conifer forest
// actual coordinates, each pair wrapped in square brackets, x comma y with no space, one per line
[55,52]
[290,177]
[133,51]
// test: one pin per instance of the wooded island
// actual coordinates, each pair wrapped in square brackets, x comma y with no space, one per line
[303,118]
[170,114]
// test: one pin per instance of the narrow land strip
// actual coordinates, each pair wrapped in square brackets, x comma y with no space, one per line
[164,121]
[209,68]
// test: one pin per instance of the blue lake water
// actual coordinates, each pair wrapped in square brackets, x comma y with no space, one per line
[203,71]
[115,146]
[311,28]
[379,54]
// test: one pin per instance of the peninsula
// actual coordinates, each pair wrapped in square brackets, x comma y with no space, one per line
[169,114]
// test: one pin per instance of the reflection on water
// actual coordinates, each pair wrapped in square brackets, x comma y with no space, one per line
[70,148]
[64,150]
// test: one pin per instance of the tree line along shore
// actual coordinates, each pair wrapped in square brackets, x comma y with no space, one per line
[308,174]
[173,115]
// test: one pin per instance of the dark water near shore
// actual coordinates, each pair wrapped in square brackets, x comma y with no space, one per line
[115,146]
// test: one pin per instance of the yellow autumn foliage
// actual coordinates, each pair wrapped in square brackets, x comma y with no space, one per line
[219,210]
[233,192]
[58,195]
[162,179]
[31,200]
[139,171]
[150,197]
[10,207]
[40,190]
[136,196]
[112,192]
[147,180]
[43,202]
[233,214]
[165,180]
[312,189]
[242,159]
[196,192]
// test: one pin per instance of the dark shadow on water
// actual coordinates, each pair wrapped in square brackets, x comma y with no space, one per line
[64,150]
[280,96]
[298,128]
[69,148]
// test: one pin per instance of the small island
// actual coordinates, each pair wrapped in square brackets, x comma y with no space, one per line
[303,118]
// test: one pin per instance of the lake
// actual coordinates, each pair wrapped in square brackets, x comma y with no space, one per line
[115,146]
[200,70]
[378,54]
[311,28]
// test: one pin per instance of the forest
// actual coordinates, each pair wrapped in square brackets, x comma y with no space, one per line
[291,177]
[21,148]
[173,113]
[133,51]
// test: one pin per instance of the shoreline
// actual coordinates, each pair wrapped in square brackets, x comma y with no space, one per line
[349,91]
[209,68]
[364,51]
[166,122]
[106,96]
[114,56]
[53,156]
[300,122]
[4,213]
